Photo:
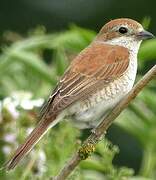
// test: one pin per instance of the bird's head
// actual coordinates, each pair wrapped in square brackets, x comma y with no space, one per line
[124,32]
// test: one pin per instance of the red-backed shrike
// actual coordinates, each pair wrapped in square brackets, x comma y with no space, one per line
[96,80]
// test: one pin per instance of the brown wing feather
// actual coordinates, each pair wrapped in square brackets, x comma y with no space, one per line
[97,65]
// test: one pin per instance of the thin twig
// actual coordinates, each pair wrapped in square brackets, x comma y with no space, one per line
[100,130]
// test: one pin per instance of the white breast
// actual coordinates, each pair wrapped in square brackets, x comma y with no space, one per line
[89,112]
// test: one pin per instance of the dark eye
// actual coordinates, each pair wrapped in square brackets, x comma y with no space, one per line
[123,30]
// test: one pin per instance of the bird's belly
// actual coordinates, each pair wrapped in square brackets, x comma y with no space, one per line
[87,113]
[90,117]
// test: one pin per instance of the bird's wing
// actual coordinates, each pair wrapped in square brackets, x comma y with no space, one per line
[95,67]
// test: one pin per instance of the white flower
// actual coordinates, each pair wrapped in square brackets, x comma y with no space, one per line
[22,99]
[6,150]
[30,104]
[25,100]
[10,138]
[11,105]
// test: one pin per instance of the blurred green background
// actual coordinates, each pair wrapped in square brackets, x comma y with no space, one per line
[38,41]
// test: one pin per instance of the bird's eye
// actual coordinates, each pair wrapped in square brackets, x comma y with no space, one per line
[123,30]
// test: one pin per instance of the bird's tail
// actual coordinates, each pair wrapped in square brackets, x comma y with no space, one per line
[31,140]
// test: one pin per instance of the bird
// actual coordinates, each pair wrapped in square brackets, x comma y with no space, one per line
[96,80]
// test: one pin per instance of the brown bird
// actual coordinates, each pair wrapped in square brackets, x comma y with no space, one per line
[96,80]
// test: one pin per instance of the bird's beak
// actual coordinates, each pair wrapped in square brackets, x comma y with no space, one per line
[145,35]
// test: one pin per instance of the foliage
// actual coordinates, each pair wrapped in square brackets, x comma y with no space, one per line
[29,69]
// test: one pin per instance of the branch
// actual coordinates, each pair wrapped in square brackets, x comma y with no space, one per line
[89,144]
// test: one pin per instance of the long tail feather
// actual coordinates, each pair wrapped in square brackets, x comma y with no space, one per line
[31,140]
